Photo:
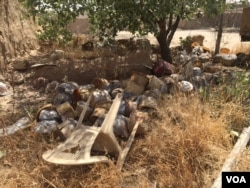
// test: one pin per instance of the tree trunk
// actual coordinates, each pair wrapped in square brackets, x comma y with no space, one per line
[220,31]
[165,36]
[17,35]
[219,34]
[162,39]
[173,29]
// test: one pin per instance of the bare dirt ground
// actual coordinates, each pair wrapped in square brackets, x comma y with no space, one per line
[187,145]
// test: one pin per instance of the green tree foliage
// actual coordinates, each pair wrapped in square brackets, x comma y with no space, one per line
[107,17]
[53,16]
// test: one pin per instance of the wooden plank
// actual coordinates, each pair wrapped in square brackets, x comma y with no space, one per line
[106,138]
[124,153]
[84,110]
[233,156]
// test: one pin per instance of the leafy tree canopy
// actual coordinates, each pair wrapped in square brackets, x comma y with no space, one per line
[107,17]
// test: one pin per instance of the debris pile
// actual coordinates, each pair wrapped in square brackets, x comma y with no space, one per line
[77,108]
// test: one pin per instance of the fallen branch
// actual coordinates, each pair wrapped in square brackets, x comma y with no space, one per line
[232,158]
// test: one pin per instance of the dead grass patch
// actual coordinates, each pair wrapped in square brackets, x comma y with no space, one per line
[186,148]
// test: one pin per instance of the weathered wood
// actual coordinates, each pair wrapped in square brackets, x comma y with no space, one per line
[106,139]
[233,156]
[84,110]
[84,139]
[124,153]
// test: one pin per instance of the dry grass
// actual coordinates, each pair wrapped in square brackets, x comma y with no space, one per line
[186,148]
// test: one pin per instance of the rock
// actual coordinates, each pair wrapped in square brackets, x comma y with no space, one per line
[242,60]
[46,126]
[197,71]
[134,88]
[199,82]
[177,77]
[65,110]
[61,98]
[88,46]
[4,89]
[48,115]
[51,87]
[147,102]
[225,59]
[99,96]
[120,127]
[211,68]
[40,83]
[197,50]
[154,83]
[198,38]
[67,88]
[21,65]
[143,127]
[116,91]
[34,53]
[79,108]
[100,83]
[57,54]
[185,86]
[228,59]
[204,57]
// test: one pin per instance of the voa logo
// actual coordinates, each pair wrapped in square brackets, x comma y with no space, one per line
[236,179]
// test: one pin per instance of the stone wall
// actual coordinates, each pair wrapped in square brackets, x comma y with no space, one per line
[232,20]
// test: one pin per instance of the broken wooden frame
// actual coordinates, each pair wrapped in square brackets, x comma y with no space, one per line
[84,139]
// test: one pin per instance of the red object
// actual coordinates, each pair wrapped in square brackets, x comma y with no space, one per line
[162,68]
[76,96]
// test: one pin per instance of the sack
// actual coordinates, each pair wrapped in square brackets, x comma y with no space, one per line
[162,68]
